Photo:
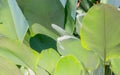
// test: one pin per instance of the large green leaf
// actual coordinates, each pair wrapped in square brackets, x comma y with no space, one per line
[69,65]
[8,68]
[43,12]
[48,59]
[13,23]
[19,53]
[71,45]
[100,30]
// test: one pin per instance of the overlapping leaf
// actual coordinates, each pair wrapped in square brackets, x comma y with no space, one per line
[43,12]
[100,30]
[8,68]
[71,45]
[48,59]
[69,65]
[19,53]
[13,23]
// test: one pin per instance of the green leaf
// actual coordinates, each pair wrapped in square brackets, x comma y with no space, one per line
[19,53]
[41,42]
[71,45]
[70,14]
[43,12]
[48,59]
[39,29]
[13,23]
[69,65]
[100,30]
[115,65]
[8,68]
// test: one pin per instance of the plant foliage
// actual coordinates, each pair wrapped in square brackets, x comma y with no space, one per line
[59,37]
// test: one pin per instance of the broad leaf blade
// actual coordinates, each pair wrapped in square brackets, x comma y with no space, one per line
[71,45]
[19,53]
[8,68]
[48,59]
[100,29]
[13,24]
[43,12]
[21,25]
[69,65]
